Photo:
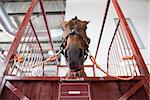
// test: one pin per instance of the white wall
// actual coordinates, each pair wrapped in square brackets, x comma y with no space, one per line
[93,10]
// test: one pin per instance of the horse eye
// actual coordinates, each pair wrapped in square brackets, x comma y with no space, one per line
[66,53]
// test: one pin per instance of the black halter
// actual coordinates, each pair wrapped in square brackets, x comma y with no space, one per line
[64,43]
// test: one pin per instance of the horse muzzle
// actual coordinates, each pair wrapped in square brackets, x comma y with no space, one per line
[74,66]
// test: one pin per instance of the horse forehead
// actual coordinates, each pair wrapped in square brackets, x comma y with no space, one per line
[72,22]
[72,40]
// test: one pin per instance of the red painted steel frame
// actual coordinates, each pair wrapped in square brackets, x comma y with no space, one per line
[136,52]
[37,39]
[111,45]
[19,35]
[60,79]
[38,43]
[47,28]
[46,24]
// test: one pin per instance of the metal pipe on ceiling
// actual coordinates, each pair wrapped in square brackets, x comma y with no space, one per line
[6,23]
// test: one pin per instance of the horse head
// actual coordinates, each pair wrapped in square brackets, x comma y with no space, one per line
[76,25]
[76,44]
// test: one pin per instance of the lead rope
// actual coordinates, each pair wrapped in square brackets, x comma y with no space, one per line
[117,77]
[94,62]
[51,58]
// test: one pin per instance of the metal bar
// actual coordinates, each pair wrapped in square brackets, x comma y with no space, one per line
[27,57]
[26,34]
[67,66]
[37,13]
[25,46]
[56,78]
[34,54]
[126,43]
[116,56]
[16,91]
[47,28]
[37,38]
[31,57]
[2,84]
[46,24]
[132,91]
[119,44]
[42,41]
[35,58]
[110,47]
[111,63]
[24,39]
[102,29]
[27,53]
[15,1]
[94,71]
[57,71]
[18,36]
[116,63]
[136,52]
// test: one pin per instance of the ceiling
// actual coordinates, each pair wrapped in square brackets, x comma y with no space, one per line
[55,11]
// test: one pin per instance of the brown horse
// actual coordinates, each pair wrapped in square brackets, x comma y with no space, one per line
[75,46]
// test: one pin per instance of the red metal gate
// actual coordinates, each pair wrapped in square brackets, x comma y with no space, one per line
[19,82]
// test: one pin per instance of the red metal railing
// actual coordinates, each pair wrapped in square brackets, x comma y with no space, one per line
[123,52]
[26,49]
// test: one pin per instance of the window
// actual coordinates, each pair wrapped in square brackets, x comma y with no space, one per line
[134,32]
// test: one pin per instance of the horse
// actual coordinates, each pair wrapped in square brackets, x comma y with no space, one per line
[75,46]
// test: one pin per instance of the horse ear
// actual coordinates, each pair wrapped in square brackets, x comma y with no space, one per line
[63,23]
[85,22]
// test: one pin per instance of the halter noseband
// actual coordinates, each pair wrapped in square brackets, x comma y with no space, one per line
[64,43]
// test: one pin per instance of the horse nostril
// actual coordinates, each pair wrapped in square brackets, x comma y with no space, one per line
[73,65]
